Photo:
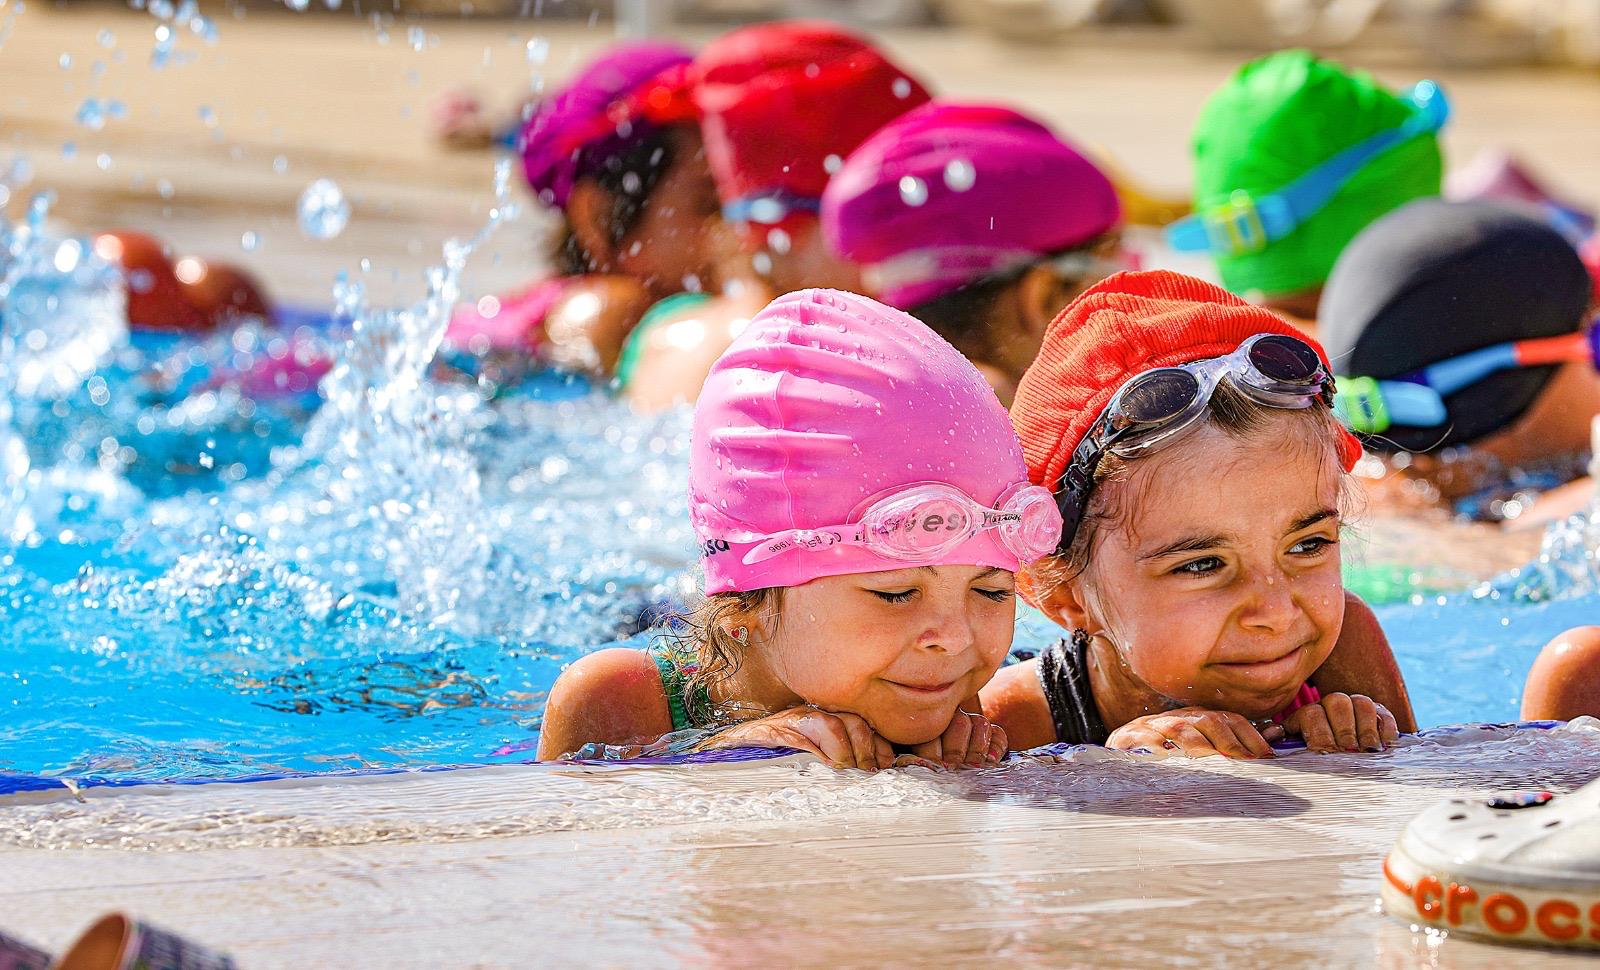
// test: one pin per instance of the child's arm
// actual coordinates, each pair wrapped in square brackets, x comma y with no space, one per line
[612,697]
[1014,701]
[1362,663]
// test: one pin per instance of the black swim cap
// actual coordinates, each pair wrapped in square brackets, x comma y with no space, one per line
[1433,280]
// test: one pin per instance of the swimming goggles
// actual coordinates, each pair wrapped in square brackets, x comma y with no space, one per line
[1155,407]
[770,207]
[1246,224]
[1416,399]
[923,523]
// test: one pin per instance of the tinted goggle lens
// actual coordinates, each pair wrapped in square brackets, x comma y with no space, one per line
[1285,360]
[1156,396]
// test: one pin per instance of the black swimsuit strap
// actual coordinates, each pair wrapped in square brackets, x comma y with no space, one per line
[1064,675]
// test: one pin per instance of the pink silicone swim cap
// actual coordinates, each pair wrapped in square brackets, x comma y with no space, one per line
[952,193]
[826,400]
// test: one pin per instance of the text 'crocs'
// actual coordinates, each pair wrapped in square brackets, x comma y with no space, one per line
[1521,868]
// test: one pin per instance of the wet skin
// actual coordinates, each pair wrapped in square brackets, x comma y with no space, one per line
[901,649]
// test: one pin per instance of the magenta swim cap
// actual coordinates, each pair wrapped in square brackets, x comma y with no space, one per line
[575,131]
[826,401]
[949,194]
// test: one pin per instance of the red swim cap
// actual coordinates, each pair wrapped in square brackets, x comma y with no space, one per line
[1119,328]
[781,106]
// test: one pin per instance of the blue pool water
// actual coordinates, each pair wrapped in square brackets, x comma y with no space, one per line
[197,583]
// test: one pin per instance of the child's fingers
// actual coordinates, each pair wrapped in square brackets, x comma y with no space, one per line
[1342,718]
[1252,739]
[1388,730]
[1367,727]
[978,742]
[1187,737]
[829,735]
[1220,730]
[1314,728]
[956,738]
[999,744]
[1130,737]
[884,750]
[863,741]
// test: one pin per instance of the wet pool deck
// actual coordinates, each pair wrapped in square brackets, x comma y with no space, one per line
[1105,863]
[1184,864]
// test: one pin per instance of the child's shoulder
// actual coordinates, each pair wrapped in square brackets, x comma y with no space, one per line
[1015,700]
[612,696]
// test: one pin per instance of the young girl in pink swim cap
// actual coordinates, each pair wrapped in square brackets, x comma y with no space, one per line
[862,505]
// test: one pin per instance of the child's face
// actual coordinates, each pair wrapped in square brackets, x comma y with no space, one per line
[901,649]
[1220,587]
[675,237]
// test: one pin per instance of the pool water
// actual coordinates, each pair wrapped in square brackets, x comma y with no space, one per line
[198,581]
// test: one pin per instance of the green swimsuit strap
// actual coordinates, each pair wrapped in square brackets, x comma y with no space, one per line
[688,702]
[674,682]
[633,347]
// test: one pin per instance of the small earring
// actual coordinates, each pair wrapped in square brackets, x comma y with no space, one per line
[741,634]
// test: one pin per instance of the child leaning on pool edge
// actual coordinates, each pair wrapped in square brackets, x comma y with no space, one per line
[1200,472]
[862,506]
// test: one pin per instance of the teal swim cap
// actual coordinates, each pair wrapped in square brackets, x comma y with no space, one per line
[1281,116]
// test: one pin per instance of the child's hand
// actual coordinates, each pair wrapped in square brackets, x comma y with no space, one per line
[970,741]
[1194,732]
[1343,722]
[842,740]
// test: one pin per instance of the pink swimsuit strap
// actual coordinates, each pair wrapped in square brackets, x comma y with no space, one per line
[1304,697]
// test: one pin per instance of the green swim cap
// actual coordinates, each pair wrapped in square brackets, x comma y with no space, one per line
[1279,117]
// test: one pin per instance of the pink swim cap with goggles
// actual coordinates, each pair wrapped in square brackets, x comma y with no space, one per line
[837,435]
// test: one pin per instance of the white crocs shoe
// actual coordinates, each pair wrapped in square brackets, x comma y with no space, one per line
[1515,868]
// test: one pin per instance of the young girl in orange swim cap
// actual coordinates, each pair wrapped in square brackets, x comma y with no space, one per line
[1199,469]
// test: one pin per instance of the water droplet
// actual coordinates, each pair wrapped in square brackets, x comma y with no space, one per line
[280,164]
[766,211]
[959,175]
[324,211]
[208,116]
[102,161]
[106,38]
[417,38]
[901,88]
[164,188]
[65,60]
[538,50]
[297,5]
[69,150]
[91,114]
[913,191]
[250,241]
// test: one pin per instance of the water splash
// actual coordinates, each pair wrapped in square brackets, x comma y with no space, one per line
[393,438]
[62,308]
[1567,566]
[62,314]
